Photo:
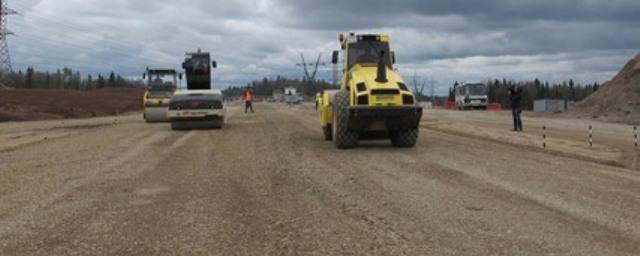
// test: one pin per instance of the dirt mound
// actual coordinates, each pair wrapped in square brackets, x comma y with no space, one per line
[618,100]
[31,104]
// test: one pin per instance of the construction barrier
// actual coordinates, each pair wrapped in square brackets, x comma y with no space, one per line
[491,106]
[494,106]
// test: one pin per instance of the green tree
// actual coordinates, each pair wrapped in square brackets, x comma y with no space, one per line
[101,82]
[572,92]
[89,84]
[47,80]
[112,80]
[28,81]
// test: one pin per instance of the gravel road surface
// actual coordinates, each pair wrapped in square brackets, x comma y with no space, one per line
[268,184]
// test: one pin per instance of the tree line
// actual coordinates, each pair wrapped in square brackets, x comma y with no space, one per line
[67,79]
[498,91]
[266,87]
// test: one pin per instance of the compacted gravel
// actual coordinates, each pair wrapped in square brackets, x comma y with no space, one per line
[268,184]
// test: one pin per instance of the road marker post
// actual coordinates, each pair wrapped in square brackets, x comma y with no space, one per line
[590,136]
[635,136]
[544,136]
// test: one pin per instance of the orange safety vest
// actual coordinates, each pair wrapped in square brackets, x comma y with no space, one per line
[248,95]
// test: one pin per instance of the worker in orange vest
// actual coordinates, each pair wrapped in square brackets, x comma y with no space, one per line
[248,100]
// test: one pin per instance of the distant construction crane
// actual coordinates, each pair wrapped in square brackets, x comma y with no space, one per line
[5,58]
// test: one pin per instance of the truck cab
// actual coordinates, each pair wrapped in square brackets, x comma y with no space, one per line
[368,84]
[197,67]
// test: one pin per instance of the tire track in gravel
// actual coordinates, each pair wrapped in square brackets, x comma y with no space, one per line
[269,184]
[54,209]
[395,165]
[604,209]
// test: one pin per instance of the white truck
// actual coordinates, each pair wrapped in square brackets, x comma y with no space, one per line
[472,96]
[291,96]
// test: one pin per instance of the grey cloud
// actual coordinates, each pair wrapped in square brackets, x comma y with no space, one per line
[448,40]
[378,11]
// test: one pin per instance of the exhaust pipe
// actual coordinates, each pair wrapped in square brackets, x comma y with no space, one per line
[382,69]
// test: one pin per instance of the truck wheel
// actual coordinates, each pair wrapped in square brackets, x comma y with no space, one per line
[343,137]
[328,132]
[405,139]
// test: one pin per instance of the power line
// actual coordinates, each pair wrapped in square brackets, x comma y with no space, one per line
[91,32]
[75,46]
[74,41]
[36,32]
[71,60]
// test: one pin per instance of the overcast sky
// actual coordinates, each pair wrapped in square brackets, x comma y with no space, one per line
[445,40]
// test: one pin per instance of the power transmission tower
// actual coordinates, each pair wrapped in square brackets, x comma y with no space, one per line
[5,58]
[310,77]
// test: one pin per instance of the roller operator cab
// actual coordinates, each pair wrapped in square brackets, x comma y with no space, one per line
[197,67]
[373,101]
[161,85]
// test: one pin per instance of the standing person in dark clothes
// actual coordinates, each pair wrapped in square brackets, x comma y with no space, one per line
[516,107]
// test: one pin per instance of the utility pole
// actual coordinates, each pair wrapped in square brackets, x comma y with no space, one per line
[432,85]
[5,58]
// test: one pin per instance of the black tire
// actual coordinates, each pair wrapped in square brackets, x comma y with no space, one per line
[404,139]
[343,137]
[328,132]
[175,126]
[219,123]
